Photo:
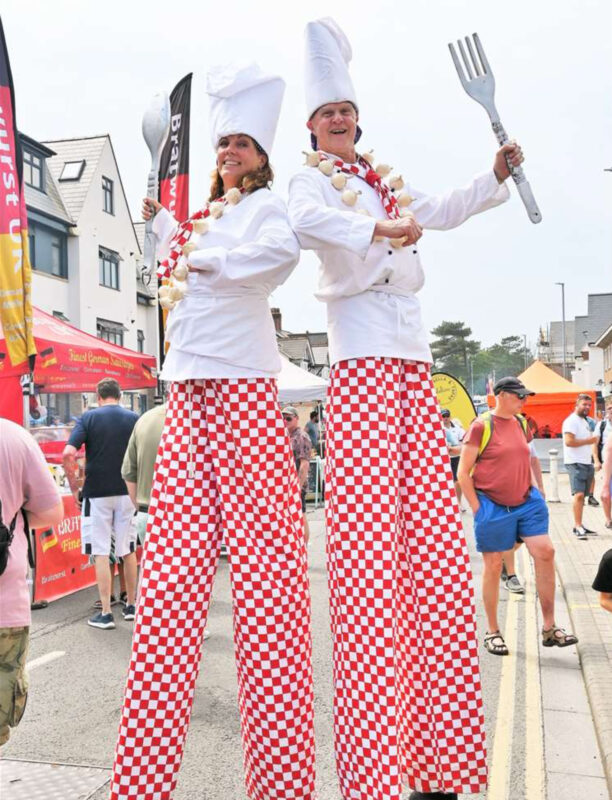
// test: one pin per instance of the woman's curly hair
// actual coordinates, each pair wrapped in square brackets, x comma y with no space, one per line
[258,179]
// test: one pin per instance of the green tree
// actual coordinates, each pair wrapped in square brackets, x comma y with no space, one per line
[453,348]
[507,357]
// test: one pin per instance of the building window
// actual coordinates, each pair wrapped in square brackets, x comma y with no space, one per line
[33,170]
[110,331]
[109,268]
[72,170]
[48,250]
[107,193]
[32,247]
[140,339]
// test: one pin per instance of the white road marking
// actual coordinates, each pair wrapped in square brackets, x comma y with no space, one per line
[38,662]
[501,760]
[534,730]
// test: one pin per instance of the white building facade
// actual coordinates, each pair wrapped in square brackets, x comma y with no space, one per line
[84,249]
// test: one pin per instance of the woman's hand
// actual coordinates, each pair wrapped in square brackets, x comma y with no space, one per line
[513,153]
[150,207]
[404,228]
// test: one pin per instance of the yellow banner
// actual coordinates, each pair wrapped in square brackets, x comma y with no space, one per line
[15,294]
[453,395]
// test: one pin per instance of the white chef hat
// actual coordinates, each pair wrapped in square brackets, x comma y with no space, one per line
[244,99]
[328,53]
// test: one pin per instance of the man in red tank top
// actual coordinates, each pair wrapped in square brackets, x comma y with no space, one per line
[498,484]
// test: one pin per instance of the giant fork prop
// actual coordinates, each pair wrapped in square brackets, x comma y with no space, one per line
[480,85]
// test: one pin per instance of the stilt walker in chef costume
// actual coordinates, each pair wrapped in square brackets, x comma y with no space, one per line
[224,469]
[407,693]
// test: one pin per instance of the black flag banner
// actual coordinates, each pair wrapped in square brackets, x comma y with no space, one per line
[174,165]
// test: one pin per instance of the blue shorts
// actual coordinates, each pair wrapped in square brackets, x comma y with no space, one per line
[498,528]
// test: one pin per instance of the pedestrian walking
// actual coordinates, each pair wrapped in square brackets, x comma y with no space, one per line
[454,435]
[496,478]
[606,488]
[301,446]
[224,469]
[106,509]
[579,442]
[313,430]
[28,499]
[403,624]
[139,464]
[509,578]
[603,429]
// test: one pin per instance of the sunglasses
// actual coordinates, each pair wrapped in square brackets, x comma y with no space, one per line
[287,418]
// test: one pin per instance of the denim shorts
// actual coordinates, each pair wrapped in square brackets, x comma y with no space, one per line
[581,477]
[498,528]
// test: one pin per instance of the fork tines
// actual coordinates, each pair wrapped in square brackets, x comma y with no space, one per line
[474,61]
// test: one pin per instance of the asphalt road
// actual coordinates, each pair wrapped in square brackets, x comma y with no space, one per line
[76,693]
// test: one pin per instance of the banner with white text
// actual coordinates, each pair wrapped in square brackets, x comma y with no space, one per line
[174,163]
[15,270]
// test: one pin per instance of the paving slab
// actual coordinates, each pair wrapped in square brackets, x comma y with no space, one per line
[576,787]
[35,780]
[577,562]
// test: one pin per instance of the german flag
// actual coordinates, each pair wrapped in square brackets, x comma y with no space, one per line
[146,370]
[15,270]
[48,539]
[47,357]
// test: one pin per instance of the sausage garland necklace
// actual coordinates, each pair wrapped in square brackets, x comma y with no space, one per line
[174,268]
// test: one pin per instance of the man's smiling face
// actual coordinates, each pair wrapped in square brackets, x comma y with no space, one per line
[334,125]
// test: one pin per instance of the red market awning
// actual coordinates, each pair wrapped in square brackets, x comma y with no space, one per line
[70,360]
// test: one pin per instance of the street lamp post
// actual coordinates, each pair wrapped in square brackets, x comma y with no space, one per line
[562,285]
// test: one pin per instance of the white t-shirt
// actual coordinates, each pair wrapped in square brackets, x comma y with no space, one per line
[581,430]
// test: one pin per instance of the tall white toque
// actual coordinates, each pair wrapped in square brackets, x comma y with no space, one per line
[328,53]
[244,99]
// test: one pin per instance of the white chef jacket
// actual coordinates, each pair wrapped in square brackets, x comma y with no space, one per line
[223,327]
[370,287]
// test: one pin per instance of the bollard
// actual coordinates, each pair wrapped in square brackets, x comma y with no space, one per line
[553,494]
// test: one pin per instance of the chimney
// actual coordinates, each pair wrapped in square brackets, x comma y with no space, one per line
[278,319]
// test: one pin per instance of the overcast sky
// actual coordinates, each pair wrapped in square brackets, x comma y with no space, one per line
[84,68]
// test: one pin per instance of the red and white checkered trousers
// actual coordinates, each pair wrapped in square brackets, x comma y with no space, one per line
[224,469]
[407,703]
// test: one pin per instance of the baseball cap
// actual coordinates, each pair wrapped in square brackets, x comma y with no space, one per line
[445,412]
[290,411]
[512,385]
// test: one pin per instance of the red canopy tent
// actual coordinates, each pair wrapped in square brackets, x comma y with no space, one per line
[69,360]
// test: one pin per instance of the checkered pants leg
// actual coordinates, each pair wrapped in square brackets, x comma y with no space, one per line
[224,468]
[407,702]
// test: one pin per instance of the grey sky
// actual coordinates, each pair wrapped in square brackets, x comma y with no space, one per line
[84,68]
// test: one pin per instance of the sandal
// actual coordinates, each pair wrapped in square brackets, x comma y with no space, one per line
[494,643]
[557,637]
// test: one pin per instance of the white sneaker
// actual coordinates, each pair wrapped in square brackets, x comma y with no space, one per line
[513,585]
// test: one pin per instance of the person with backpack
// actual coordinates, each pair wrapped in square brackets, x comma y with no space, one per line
[28,499]
[497,481]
